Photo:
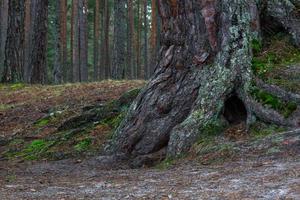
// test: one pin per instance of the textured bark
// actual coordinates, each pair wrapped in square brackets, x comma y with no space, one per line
[57,68]
[106,59]
[63,39]
[204,61]
[38,72]
[154,42]
[83,40]
[14,45]
[96,39]
[3,31]
[146,65]
[28,41]
[75,41]
[130,39]
[118,65]
[138,42]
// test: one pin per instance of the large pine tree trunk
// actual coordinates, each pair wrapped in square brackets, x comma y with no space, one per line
[204,75]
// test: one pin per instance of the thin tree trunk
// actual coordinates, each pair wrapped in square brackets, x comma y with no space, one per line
[57,68]
[63,39]
[3,31]
[96,39]
[75,44]
[119,39]
[130,39]
[28,41]
[154,41]
[14,46]
[83,40]
[39,42]
[138,42]
[203,76]
[106,40]
[146,66]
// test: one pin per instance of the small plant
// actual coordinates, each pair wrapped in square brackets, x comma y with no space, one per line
[83,145]
[36,149]
[256,46]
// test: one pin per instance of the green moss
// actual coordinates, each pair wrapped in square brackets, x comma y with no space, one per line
[261,130]
[83,145]
[285,108]
[279,52]
[17,86]
[42,122]
[35,150]
[212,128]
[166,164]
[256,46]
[5,107]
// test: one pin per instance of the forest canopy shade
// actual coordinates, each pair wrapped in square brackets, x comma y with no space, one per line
[205,58]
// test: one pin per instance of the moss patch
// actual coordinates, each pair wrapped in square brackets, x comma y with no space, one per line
[285,108]
[278,53]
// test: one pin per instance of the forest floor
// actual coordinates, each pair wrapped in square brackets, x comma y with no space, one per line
[265,165]
[41,160]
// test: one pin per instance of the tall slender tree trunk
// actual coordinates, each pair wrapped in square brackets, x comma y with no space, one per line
[203,77]
[14,45]
[3,31]
[39,42]
[106,50]
[146,66]
[75,40]
[28,41]
[63,39]
[83,40]
[57,68]
[130,39]
[138,42]
[96,39]
[118,65]
[154,35]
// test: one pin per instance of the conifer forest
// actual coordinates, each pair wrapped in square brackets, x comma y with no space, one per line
[149,99]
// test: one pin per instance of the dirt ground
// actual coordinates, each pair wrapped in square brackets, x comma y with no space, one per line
[262,168]
[261,178]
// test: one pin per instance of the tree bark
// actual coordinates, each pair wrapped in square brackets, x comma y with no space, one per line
[63,39]
[57,68]
[154,33]
[106,59]
[3,31]
[146,66]
[204,62]
[14,45]
[83,40]
[28,41]
[130,39]
[75,41]
[138,42]
[39,42]
[96,39]
[118,67]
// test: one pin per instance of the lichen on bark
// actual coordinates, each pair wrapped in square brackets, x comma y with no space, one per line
[204,60]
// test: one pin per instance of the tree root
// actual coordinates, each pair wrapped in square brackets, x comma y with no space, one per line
[277,91]
[270,115]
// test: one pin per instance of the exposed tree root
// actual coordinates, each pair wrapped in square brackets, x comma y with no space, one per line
[270,115]
[277,91]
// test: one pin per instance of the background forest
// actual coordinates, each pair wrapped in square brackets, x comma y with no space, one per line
[77,40]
